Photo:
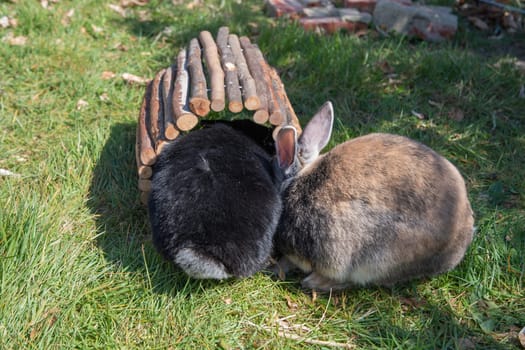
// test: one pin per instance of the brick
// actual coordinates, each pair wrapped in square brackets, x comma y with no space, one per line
[278,8]
[361,5]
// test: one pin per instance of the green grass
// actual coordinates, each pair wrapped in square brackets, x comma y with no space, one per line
[77,268]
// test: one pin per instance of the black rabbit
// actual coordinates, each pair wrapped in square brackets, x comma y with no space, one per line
[215,204]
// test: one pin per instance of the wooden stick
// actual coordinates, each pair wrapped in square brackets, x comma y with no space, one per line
[199,103]
[256,70]
[213,63]
[293,120]
[155,110]
[170,130]
[145,185]
[144,197]
[233,90]
[144,145]
[276,101]
[184,119]
[249,92]
[144,171]
[289,335]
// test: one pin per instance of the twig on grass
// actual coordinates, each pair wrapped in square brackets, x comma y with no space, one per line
[292,336]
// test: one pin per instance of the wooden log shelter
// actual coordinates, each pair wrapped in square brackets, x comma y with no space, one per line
[209,75]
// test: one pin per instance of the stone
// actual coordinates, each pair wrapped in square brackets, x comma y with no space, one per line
[431,23]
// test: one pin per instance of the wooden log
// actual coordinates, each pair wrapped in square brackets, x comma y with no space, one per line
[231,80]
[145,185]
[279,96]
[155,110]
[170,130]
[184,119]
[199,102]
[257,72]
[249,92]
[144,171]
[216,74]
[144,145]
[274,99]
[144,196]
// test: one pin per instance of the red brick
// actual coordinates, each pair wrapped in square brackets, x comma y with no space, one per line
[278,8]
[361,5]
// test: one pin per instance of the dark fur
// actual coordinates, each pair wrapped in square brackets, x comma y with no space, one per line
[260,134]
[213,191]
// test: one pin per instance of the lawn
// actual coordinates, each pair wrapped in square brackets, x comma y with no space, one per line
[77,267]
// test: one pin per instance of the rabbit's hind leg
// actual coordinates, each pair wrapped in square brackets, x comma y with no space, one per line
[322,283]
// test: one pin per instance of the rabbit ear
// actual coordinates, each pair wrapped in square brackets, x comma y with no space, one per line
[316,134]
[286,146]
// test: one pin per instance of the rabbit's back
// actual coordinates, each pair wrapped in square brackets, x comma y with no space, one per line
[379,209]
[213,197]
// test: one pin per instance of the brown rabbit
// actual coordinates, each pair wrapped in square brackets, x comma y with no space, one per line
[376,210]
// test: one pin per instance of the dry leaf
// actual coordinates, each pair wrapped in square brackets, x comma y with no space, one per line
[466,344]
[96,29]
[133,3]
[385,67]
[314,296]
[194,4]
[108,75]
[413,302]
[144,15]
[291,305]
[418,115]
[44,4]
[104,97]
[81,104]
[4,22]
[456,114]
[478,23]
[227,301]
[5,172]
[121,47]
[133,79]
[15,40]
[66,20]
[118,9]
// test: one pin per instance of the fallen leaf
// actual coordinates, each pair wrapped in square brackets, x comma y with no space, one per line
[291,305]
[227,301]
[314,296]
[97,29]
[121,47]
[194,4]
[133,3]
[118,9]
[81,104]
[478,23]
[44,4]
[104,97]
[456,114]
[133,79]
[5,172]
[144,15]
[4,22]
[521,337]
[15,40]
[108,75]
[418,115]
[466,344]
[66,20]
[385,67]
[413,302]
